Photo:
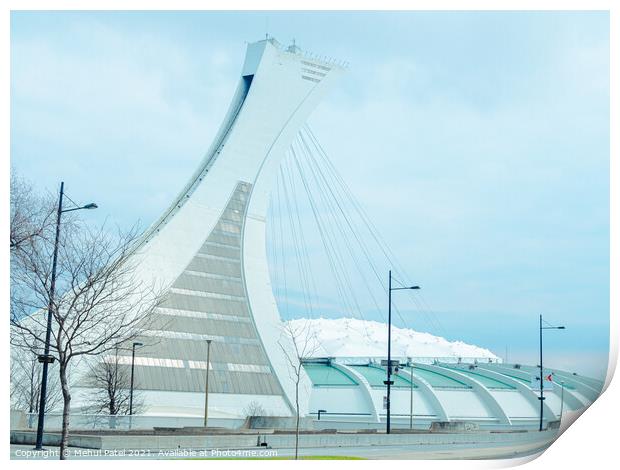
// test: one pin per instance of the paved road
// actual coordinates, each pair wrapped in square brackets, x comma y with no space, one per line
[427,452]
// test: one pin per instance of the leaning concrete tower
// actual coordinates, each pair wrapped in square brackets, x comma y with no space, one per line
[209,247]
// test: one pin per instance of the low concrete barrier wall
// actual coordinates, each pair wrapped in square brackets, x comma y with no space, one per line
[85,422]
[454,426]
[359,440]
[19,420]
[53,440]
[283,441]
[278,422]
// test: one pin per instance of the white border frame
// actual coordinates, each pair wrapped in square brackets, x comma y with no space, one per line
[590,443]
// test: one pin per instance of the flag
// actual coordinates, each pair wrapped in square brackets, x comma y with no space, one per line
[547,381]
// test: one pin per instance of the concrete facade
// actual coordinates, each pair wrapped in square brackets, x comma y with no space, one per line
[209,249]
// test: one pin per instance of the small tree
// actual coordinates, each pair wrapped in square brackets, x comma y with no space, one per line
[110,379]
[254,408]
[304,341]
[102,304]
[26,385]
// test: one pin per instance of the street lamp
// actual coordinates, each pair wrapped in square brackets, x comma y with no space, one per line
[389,381]
[411,395]
[46,359]
[542,397]
[133,360]
[561,403]
[207,384]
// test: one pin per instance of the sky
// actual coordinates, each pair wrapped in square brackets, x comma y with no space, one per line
[477,142]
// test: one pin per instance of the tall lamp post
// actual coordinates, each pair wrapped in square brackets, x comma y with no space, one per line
[46,359]
[389,380]
[133,361]
[542,397]
[207,384]
[561,403]
[411,395]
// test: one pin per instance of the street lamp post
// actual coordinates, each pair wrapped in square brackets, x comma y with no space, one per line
[389,381]
[207,384]
[542,397]
[133,360]
[46,358]
[561,403]
[411,396]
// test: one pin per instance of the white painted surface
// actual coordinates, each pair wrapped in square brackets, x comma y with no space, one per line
[339,400]
[514,404]
[277,105]
[461,404]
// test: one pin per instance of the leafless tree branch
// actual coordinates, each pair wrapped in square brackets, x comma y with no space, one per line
[101,301]
[305,343]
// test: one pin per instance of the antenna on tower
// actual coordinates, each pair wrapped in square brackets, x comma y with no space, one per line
[293,48]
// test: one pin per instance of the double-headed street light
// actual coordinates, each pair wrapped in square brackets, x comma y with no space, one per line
[46,358]
[389,380]
[542,397]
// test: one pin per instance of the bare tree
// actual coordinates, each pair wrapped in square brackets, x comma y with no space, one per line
[26,385]
[304,341]
[31,223]
[102,304]
[254,408]
[32,215]
[110,379]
